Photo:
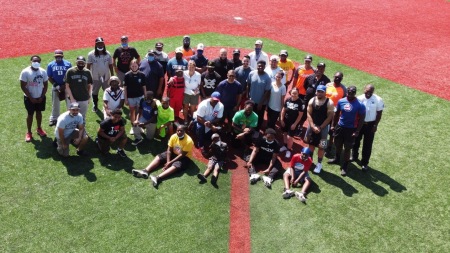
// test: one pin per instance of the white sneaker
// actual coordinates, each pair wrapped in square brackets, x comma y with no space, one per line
[288,154]
[318,168]
[267,181]
[140,173]
[300,196]
[287,194]
[131,131]
[282,149]
[254,178]
[154,181]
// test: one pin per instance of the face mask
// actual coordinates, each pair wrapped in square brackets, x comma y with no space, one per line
[199,52]
[58,59]
[100,48]
[269,142]
[80,67]
[158,52]
[35,65]
[151,58]
[218,143]
[181,137]
[125,45]
[257,50]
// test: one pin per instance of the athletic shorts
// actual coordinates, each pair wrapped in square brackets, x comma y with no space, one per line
[345,136]
[134,102]
[212,163]
[65,152]
[317,140]
[287,128]
[228,113]
[104,145]
[181,164]
[31,108]
[190,99]
[297,174]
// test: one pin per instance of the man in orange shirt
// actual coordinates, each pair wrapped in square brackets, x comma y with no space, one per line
[186,48]
[335,91]
[300,75]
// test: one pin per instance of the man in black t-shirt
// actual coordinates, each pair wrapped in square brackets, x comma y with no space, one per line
[124,55]
[222,64]
[112,130]
[265,152]
[210,79]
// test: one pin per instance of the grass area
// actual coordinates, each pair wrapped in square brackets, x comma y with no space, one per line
[49,204]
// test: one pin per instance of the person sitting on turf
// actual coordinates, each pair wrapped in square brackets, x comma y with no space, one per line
[244,124]
[298,173]
[209,113]
[177,157]
[111,130]
[219,150]
[146,118]
[265,152]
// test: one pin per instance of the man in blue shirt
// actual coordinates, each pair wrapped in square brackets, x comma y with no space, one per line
[56,70]
[176,62]
[231,94]
[154,74]
[348,121]
[259,85]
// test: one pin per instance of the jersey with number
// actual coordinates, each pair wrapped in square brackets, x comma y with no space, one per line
[57,70]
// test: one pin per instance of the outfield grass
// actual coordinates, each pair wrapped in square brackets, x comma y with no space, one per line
[49,204]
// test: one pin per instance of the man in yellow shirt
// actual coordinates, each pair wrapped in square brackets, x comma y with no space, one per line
[177,157]
[287,65]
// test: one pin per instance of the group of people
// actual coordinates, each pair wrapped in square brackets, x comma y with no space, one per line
[212,99]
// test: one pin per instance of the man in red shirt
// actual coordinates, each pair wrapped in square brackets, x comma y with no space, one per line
[298,173]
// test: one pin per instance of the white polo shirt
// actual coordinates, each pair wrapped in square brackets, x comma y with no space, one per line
[191,83]
[209,113]
[373,105]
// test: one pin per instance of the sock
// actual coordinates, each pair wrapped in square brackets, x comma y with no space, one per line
[319,160]
[95,100]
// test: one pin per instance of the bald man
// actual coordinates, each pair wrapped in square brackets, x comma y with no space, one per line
[222,64]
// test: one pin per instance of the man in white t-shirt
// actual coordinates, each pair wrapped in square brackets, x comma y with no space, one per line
[34,82]
[374,109]
[113,97]
[273,69]
[209,114]
[258,55]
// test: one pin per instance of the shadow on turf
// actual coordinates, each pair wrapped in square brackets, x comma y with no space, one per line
[338,181]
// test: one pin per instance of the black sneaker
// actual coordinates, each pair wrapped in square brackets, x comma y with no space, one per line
[333,161]
[121,152]
[55,143]
[82,153]
[94,109]
[52,123]
[364,168]
[202,178]
[136,142]
[343,172]
[214,180]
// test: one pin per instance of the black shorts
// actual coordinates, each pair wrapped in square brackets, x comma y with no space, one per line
[228,113]
[31,108]
[287,127]
[181,164]
[345,136]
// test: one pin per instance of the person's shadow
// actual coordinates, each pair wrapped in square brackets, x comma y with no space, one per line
[339,182]
[44,147]
[364,179]
[376,175]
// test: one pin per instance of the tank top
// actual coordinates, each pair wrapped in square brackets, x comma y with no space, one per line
[319,113]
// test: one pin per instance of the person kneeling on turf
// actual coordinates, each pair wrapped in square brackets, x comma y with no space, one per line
[265,152]
[298,173]
[111,130]
[219,150]
[176,158]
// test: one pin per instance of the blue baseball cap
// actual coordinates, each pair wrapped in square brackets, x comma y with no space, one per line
[215,95]
[321,88]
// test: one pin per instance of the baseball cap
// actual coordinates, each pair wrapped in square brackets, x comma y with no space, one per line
[215,135]
[274,58]
[186,37]
[210,64]
[178,50]
[306,151]
[284,52]
[321,64]
[321,88]
[200,46]
[151,51]
[159,44]
[258,42]
[124,37]
[179,68]
[113,78]
[59,52]
[308,58]
[99,39]
[215,96]
[81,58]
[74,105]
[236,51]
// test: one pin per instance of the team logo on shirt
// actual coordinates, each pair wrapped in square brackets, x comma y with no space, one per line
[348,107]
[299,166]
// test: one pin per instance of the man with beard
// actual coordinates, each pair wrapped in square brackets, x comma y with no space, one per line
[231,93]
[186,48]
[209,81]
[320,113]
[242,73]
[236,61]
[244,123]
[314,80]
[56,70]
[199,58]
[300,75]
[124,55]
[177,157]
[222,65]
[70,129]
[286,65]
[347,123]
[258,55]
[374,109]
[259,85]
[175,63]
[78,81]
[154,74]
[100,64]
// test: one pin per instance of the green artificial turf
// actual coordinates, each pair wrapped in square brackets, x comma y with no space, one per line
[50,204]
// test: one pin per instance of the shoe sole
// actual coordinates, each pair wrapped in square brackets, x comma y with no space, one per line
[136,143]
